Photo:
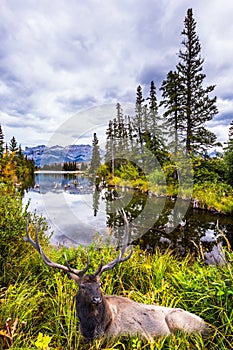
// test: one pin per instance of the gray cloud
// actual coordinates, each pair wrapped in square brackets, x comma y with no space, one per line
[59,58]
[150,73]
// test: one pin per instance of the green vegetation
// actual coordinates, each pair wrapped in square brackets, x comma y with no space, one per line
[205,180]
[228,156]
[95,157]
[14,167]
[37,305]
[166,153]
[70,166]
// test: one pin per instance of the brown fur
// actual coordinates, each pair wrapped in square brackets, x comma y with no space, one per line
[115,315]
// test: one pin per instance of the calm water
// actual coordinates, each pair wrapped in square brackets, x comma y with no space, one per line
[76,211]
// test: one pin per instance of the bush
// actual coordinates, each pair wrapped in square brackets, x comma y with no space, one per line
[12,230]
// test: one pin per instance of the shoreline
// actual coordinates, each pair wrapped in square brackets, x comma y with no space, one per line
[74,172]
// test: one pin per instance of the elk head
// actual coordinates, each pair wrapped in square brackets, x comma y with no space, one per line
[89,284]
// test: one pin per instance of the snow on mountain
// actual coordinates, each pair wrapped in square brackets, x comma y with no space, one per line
[57,154]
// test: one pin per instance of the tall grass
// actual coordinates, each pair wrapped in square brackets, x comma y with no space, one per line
[217,196]
[42,300]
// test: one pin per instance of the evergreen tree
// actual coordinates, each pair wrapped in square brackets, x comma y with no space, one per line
[95,158]
[173,124]
[197,106]
[231,132]
[20,153]
[115,137]
[120,132]
[1,142]
[129,131]
[13,145]
[151,127]
[138,122]
[153,117]
[117,143]
[228,155]
[110,148]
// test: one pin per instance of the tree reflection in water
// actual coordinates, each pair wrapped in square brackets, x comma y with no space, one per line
[195,232]
[77,209]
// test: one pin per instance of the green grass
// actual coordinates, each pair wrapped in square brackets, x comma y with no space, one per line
[42,299]
[217,196]
[214,196]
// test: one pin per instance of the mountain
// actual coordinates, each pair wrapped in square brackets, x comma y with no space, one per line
[215,153]
[57,154]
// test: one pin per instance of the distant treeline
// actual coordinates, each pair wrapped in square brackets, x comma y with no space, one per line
[66,166]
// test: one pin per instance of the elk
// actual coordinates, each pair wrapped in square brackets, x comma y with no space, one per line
[101,315]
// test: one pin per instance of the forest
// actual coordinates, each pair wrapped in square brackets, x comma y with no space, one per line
[166,143]
[37,303]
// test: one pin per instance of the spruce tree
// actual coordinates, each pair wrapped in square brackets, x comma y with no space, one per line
[129,131]
[231,132]
[138,122]
[13,145]
[95,158]
[171,100]
[109,142]
[1,142]
[197,106]
[120,132]
[228,155]
[153,117]
[153,135]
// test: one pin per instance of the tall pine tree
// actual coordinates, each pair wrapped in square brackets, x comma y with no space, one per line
[1,142]
[109,148]
[228,155]
[13,147]
[153,117]
[138,124]
[197,106]
[138,120]
[95,158]
[171,100]
[121,133]
[154,132]
[129,131]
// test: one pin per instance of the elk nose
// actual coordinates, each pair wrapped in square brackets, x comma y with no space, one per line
[96,300]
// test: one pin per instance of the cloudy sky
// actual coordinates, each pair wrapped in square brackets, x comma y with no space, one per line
[64,64]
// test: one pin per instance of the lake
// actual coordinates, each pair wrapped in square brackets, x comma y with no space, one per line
[76,211]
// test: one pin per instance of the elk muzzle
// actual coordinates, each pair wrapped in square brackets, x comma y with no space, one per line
[97,300]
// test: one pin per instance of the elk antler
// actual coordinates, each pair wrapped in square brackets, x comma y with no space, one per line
[48,261]
[102,268]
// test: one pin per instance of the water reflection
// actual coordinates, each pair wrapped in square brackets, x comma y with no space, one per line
[76,210]
[195,232]
[66,202]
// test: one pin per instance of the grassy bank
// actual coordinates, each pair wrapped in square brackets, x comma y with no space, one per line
[37,308]
[41,300]
[209,195]
[203,180]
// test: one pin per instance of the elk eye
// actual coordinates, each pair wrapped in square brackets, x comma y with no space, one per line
[82,286]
